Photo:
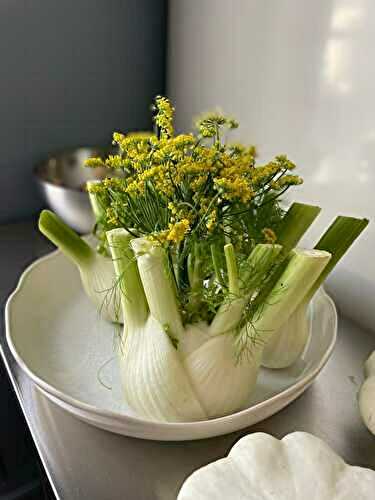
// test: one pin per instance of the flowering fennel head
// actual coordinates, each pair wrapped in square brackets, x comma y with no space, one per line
[191,194]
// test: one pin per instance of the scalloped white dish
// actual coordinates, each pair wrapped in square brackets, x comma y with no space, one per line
[298,466]
[59,340]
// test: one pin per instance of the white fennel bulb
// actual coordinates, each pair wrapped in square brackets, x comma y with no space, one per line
[96,271]
[366,395]
[173,372]
[222,382]
[154,380]
[286,346]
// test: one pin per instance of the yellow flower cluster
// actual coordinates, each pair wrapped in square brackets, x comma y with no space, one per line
[164,117]
[209,124]
[112,217]
[235,189]
[211,220]
[172,149]
[237,149]
[94,162]
[115,162]
[130,143]
[175,233]
[178,230]
[190,194]
[198,182]
[173,185]
[286,180]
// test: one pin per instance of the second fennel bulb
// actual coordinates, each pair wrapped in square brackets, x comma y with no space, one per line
[96,271]
[286,346]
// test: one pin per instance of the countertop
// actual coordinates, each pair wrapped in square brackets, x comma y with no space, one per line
[83,462]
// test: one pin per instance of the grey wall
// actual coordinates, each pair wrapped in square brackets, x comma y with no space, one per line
[71,72]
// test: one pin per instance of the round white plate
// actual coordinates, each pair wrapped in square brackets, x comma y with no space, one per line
[59,340]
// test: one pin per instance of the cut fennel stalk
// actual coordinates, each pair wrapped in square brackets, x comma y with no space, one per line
[258,264]
[174,373]
[96,271]
[295,223]
[94,201]
[287,345]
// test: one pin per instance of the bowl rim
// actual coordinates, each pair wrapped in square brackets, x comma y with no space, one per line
[154,425]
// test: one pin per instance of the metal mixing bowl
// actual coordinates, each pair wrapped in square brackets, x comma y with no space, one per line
[62,179]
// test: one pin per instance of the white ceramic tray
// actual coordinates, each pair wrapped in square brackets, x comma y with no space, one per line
[59,340]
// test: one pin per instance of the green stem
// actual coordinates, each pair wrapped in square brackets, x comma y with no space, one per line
[190,266]
[72,245]
[232,270]
[302,269]
[259,263]
[133,298]
[94,201]
[337,240]
[197,276]
[158,285]
[216,256]
[295,223]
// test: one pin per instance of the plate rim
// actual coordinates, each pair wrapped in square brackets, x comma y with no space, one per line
[154,425]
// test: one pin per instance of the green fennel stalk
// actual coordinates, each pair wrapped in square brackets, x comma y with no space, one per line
[96,271]
[287,344]
[302,269]
[132,294]
[72,245]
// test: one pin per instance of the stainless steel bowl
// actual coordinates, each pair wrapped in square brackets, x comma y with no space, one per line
[62,179]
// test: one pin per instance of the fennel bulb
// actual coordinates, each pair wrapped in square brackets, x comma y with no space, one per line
[96,271]
[284,348]
[179,373]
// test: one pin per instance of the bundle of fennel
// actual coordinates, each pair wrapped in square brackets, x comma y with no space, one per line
[194,242]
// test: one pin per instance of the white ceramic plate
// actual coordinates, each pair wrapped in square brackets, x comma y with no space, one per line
[58,339]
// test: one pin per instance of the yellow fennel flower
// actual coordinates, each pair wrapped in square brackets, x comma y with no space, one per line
[178,230]
[164,116]
[234,189]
